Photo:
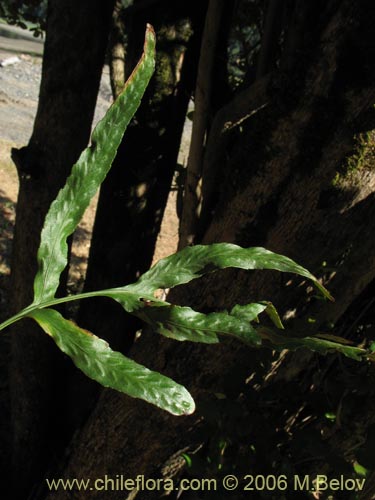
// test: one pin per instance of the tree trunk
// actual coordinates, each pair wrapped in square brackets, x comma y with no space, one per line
[202,98]
[299,180]
[134,194]
[74,53]
[117,51]
[270,39]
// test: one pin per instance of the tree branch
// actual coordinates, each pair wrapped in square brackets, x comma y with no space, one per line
[244,105]
[202,102]
[271,33]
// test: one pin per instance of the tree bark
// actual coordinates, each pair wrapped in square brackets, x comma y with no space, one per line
[288,187]
[117,51]
[242,107]
[202,97]
[74,53]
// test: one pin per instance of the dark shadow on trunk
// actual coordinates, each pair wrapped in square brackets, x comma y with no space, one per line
[73,58]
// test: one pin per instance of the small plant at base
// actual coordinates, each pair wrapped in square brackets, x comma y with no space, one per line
[92,354]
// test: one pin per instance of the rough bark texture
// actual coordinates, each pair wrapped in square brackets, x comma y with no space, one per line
[287,186]
[73,58]
[231,116]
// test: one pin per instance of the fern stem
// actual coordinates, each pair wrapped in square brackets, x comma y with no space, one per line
[53,302]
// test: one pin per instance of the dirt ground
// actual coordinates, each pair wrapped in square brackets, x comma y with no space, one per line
[19,88]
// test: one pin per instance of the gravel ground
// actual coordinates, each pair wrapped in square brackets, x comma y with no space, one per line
[19,88]
[19,91]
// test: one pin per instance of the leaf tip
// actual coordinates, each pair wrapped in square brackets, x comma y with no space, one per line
[189,408]
[186,407]
[150,35]
[323,290]
[150,29]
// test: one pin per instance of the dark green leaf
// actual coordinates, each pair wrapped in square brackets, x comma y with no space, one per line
[87,175]
[193,262]
[315,344]
[249,312]
[183,323]
[272,313]
[110,368]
